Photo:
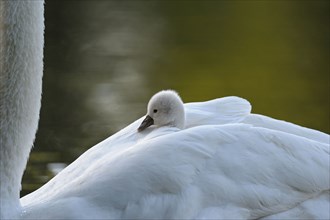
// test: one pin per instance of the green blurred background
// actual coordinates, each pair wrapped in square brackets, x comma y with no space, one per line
[104,60]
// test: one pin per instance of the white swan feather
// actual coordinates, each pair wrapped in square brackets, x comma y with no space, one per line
[218,162]
[207,171]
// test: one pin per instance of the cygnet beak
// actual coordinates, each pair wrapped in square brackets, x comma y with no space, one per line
[148,121]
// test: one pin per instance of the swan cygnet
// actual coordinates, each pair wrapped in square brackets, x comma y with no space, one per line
[165,108]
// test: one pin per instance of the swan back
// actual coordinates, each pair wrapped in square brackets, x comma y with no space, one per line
[280,125]
[200,170]
[214,168]
[218,111]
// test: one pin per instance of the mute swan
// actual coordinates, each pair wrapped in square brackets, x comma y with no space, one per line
[164,108]
[225,163]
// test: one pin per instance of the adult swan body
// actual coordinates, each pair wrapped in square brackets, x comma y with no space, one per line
[224,163]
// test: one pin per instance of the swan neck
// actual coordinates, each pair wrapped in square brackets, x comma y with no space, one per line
[21,67]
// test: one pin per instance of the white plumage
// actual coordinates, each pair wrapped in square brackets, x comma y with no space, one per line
[215,170]
[222,163]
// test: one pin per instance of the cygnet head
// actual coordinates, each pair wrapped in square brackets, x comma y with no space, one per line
[165,108]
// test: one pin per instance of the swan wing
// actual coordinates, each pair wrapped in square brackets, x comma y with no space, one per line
[214,171]
[314,208]
[280,125]
[225,110]
[218,111]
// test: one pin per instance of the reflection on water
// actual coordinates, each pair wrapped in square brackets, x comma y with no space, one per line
[104,59]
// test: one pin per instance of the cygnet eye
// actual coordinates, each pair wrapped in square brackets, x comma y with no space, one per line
[155,110]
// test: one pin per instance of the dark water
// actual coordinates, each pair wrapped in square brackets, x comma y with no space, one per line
[104,59]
